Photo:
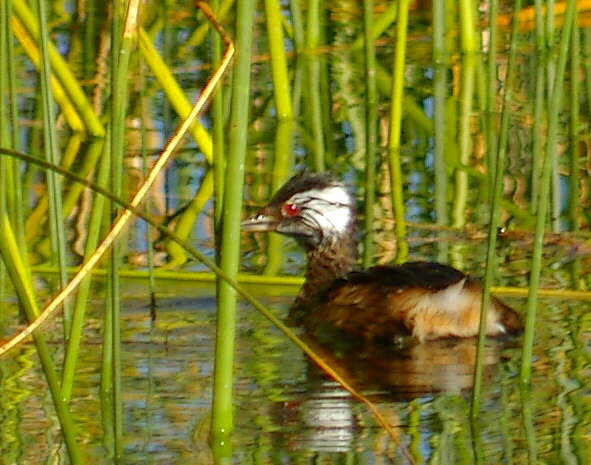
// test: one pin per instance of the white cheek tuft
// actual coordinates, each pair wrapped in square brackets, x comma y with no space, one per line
[331,208]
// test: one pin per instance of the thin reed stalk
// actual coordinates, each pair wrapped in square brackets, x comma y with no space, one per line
[312,88]
[394,145]
[281,87]
[551,149]
[124,34]
[495,208]
[11,189]
[218,137]
[298,25]
[5,187]
[222,415]
[469,49]
[492,86]
[528,415]
[575,107]
[54,184]
[540,59]
[551,65]
[439,123]
[371,131]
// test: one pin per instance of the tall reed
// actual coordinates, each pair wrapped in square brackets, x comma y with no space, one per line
[439,123]
[312,89]
[54,185]
[222,415]
[394,144]
[371,130]
[469,49]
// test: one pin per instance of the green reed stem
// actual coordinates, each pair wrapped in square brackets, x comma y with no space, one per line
[10,189]
[528,417]
[371,130]
[575,95]
[395,131]
[19,274]
[469,50]
[312,89]
[281,89]
[81,302]
[219,140]
[298,25]
[124,34]
[587,62]
[89,39]
[5,126]
[495,208]
[540,58]
[440,94]
[222,415]
[54,184]
[491,80]
[556,194]
[106,389]
[551,150]
[4,116]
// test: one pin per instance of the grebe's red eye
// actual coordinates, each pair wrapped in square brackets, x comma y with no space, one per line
[291,209]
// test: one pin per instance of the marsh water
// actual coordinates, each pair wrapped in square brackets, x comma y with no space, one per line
[286,410]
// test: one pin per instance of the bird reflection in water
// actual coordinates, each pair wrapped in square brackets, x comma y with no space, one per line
[324,411]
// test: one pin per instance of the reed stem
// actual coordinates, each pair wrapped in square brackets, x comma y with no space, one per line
[394,144]
[222,415]
[371,131]
[469,50]
[54,184]
[440,93]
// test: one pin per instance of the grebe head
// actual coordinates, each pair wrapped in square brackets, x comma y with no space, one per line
[313,208]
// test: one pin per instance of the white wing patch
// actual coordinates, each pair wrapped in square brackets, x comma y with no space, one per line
[330,208]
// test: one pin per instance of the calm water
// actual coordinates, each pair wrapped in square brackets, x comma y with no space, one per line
[286,412]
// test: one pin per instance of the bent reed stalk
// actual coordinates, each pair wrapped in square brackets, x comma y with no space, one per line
[138,212]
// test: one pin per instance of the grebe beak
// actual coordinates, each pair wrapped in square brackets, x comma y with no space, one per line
[260,222]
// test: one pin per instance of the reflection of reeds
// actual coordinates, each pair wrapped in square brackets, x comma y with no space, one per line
[555,106]
[497,162]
